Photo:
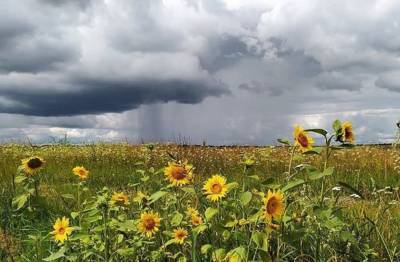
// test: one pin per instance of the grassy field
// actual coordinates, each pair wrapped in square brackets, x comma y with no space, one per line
[345,210]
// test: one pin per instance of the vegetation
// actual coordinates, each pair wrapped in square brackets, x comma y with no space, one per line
[295,202]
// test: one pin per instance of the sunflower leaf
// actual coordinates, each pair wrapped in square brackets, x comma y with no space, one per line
[322,132]
[210,213]
[157,195]
[293,184]
[59,254]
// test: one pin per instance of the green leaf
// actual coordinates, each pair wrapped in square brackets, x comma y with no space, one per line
[20,200]
[57,255]
[219,254]
[293,184]
[210,213]
[231,223]
[337,126]
[176,219]
[261,240]
[189,190]
[322,132]
[317,175]
[19,179]
[197,230]
[74,214]
[205,248]
[284,141]
[157,195]
[352,189]
[232,185]
[314,151]
[245,198]
[237,254]
[67,196]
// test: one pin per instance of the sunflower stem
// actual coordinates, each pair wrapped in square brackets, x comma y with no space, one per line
[290,161]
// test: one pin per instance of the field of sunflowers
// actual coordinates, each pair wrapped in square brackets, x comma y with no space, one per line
[164,202]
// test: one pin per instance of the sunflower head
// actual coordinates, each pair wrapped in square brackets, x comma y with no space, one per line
[196,220]
[120,198]
[61,229]
[80,171]
[347,132]
[149,223]
[180,235]
[215,187]
[179,173]
[32,164]
[190,211]
[302,139]
[273,207]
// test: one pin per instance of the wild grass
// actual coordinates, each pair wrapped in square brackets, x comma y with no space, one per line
[372,171]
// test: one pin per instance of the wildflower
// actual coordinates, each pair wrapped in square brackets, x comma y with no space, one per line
[140,197]
[120,198]
[347,132]
[302,139]
[149,223]
[61,229]
[192,211]
[32,164]
[215,187]
[179,173]
[180,235]
[80,171]
[196,220]
[273,205]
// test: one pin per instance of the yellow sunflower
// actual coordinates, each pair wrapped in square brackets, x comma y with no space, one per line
[61,229]
[180,235]
[192,211]
[194,216]
[179,173]
[302,139]
[215,187]
[80,171]
[32,164]
[196,220]
[149,223]
[120,198]
[273,205]
[347,132]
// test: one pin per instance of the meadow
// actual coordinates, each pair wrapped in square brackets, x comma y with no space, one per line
[168,202]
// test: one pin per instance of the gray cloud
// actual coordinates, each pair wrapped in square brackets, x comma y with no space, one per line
[230,71]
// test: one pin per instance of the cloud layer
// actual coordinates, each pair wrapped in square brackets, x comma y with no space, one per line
[224,71]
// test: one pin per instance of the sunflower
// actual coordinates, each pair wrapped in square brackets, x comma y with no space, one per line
[196,220]
[180,235]
[190,211]
[149,223]
[120,198]
[179,173]
[347,132]
[302,139]
[215,187]
[61,229]
[273,205]
[80,171]
[32,164]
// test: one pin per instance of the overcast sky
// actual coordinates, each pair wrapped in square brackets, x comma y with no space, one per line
[223,71]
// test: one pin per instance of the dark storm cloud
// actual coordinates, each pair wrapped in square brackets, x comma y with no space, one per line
[101,97]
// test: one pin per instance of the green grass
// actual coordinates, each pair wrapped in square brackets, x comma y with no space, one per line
[368,169]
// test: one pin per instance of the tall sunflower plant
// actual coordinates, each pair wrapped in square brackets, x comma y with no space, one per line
[27,183]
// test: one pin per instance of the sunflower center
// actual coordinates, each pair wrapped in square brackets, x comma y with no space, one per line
[302,139]
[348,133]
[82,173]
[181,235]
[149,223]
[272,206]
[61,230]
[216,188]
[34,163]
[178,173]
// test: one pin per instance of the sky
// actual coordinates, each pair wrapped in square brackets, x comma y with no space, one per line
[219,71]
